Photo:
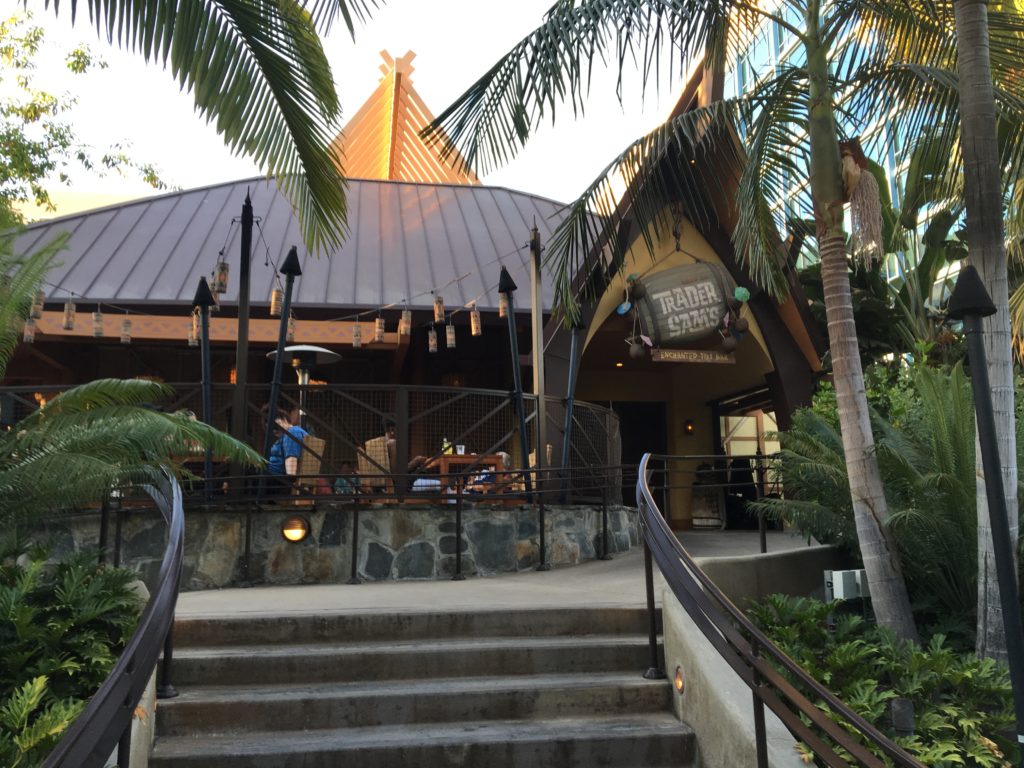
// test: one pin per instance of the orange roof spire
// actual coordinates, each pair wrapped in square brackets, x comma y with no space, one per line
[382,141]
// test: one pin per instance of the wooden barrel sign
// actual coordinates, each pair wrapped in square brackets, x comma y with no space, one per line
[683,304]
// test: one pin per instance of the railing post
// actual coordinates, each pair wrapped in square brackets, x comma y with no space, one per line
[605,554]
[654,671]
[354,574]
[458,530]
[760,739]
[542,523]
[165,688]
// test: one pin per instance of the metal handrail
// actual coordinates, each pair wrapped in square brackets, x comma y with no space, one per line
[753,656]
[107,720]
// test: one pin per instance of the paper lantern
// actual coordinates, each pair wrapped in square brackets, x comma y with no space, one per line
[475,326]
[449,336]
[378,330]
[432,341]
[29,334]
[126,331]
[276,302]
[69,316]
[438,309]
[97,324]
[357,336]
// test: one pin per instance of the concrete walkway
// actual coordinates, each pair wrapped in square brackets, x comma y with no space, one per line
[609,583]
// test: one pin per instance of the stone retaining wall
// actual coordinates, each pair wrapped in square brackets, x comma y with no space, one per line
[394,542]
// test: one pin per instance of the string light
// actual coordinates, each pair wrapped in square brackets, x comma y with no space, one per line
[357,336]
[405,324]
[126,331]
[220,278]
[29,334]
[432,341]
[97,323]
[276,302]
[475,326]
[378,330]
[449,335]
[438,309]
[69,316]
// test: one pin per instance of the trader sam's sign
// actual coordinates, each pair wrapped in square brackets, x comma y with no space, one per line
[681,305]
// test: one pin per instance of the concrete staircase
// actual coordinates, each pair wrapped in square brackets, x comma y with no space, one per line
[515,689]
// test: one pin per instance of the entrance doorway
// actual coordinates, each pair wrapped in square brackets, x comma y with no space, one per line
[643,429]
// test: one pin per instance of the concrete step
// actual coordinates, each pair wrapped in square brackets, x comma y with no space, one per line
[651,740]
[311,663]
[356,627]
[242,709]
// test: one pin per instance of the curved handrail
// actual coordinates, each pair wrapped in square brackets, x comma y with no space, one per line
[727,629]
[91,739]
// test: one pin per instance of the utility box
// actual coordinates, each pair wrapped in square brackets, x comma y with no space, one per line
[845,585]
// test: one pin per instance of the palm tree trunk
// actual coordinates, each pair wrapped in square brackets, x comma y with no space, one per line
[987,252]
[878,551]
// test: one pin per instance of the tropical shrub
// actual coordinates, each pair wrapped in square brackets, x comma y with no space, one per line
[923,421]
[63,624]
[962,705]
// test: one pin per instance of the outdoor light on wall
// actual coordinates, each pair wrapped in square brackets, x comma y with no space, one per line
[432,341]
[405,324]
[475,327]
[295,528]
[29,334]
[69,316]
[438,309]
[378,330]
[449,335]
[677,681]
[357,336]
[97,323]
[126,331]
[689,428]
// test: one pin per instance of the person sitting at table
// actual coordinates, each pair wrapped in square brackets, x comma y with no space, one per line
[493,480]
[347,481]
[283,461]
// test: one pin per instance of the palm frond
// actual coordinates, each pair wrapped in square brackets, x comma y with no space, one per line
[257,70]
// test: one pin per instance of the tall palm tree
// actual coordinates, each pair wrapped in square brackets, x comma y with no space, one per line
[791,126]
[258,71]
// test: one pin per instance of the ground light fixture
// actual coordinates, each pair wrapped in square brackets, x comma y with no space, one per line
[677,680]
[295,528]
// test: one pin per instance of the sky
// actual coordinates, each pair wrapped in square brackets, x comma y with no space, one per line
[455,41]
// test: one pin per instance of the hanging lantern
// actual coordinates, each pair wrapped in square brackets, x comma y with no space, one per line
[405,325]
[220,278]
[29,334]
[438,309]
[378,330]
[449,335]
[357,335]
[197,326]
[276,302]
[475,327]
[97,324]
[432,341]
[126,331]
[69,316]
[502,305]
[193,340]
[37,305]
[291,329]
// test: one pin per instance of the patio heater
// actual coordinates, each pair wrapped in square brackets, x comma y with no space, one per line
[303,358]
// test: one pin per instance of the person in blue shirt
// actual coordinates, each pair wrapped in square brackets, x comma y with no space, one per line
[283,461]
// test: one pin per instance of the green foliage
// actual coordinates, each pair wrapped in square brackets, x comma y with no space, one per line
[963,707]
[62,625]
[39,142]
[924,430]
